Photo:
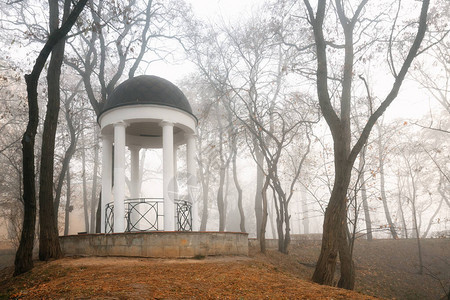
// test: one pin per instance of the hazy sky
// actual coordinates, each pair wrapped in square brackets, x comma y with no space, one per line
[228,9]
[411,103]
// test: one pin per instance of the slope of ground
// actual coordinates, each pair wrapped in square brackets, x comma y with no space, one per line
[384,268]
[136,278]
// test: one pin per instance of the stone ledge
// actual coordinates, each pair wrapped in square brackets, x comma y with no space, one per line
[159,244]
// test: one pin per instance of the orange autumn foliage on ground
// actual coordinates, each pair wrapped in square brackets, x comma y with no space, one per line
[384,268]
[136,278]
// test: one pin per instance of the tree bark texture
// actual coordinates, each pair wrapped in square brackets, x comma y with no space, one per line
[48,238]
[333,239]
[334,236]
[24,256]
[23,261]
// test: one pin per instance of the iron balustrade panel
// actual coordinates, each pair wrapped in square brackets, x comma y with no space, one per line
[147,214]
[109,218]
[144,214]
[183,215]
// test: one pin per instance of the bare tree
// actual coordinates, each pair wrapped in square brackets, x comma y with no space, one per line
[334,239]
[70,150]
[382,153]
[23,261]
[413,170]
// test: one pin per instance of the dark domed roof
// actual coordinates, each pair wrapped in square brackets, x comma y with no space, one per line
[147,89]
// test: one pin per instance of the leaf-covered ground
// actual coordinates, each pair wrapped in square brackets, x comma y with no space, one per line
[134,278]
[385,268]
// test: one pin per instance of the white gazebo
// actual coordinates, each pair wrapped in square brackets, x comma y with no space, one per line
[146,112]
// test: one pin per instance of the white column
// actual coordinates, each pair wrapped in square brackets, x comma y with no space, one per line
[134,157]
[175,174]
[119,177]
[192,179]
[169,205]
[106,178]
[134,185]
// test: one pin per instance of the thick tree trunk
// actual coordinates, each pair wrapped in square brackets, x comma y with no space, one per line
[24,256]
[335,214]
[48,238]
[67,208]
[326,264]
[347,279]
[334,237]
[283,218]
[23,260]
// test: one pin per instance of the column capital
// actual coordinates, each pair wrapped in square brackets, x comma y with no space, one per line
[165,123]
[121,123]
[134,147]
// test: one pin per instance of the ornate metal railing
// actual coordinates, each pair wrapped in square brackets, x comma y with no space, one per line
[147,214]
[183,215]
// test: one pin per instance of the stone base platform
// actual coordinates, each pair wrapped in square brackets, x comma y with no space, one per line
[158,244]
